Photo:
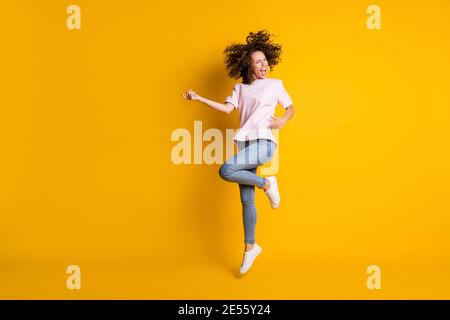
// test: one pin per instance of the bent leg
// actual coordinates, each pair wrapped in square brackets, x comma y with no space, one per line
[238,168]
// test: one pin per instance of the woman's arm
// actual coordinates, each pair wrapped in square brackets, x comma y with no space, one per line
[289,112]
[278,122]
[191,95]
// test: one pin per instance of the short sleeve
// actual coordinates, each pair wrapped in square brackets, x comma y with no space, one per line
[283,97]
[233,98]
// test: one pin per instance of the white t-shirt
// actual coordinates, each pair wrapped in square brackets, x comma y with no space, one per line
[256,103]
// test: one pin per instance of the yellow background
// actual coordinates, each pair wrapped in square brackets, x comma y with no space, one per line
[87,179]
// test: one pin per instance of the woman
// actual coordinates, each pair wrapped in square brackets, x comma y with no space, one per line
[256,99]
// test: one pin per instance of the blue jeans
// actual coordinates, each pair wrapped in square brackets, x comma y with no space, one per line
[241,168]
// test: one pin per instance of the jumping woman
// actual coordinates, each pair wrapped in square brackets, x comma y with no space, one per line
[256,98]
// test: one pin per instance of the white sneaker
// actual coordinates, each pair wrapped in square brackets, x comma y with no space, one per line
[272,193]
[249,257]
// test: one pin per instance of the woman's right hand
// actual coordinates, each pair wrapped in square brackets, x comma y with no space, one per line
[190,95]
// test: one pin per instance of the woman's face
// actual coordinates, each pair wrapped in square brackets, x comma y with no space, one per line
[258,63]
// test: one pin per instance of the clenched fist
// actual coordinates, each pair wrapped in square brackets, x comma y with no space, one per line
[190,95]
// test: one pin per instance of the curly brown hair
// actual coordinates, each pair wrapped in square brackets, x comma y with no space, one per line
[238,56]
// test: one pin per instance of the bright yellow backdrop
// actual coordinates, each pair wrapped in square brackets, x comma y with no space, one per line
[87,179]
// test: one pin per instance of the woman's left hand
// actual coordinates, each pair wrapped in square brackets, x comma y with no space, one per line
[277,122]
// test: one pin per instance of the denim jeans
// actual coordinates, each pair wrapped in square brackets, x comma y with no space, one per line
[241,168]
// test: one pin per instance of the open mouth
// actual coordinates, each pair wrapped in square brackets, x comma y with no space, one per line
[263,71]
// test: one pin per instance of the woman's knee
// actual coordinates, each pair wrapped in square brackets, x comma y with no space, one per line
[225,171]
